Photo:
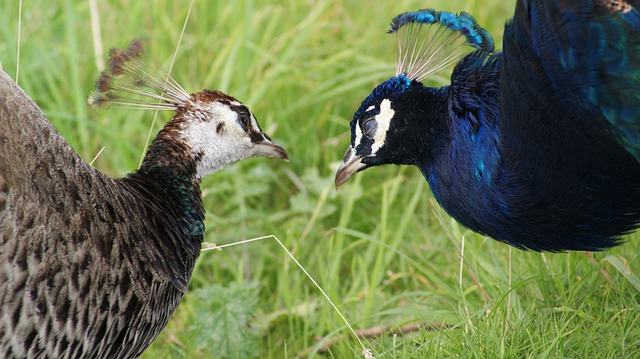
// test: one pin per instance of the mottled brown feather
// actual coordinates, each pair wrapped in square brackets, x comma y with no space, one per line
[87,265]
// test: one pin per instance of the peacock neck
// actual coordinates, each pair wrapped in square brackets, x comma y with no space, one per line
[425,110]
[464,168]
[469,114]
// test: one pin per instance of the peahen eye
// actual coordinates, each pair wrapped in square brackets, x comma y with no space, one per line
[243,119]
[369,127]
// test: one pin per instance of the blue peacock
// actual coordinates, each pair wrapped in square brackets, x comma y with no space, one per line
[537,145]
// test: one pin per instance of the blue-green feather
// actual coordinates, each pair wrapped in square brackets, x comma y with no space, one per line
[476,36]
[592,58]
[181,185]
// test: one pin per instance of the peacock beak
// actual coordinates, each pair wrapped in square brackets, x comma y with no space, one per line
[268,148]
[349,166]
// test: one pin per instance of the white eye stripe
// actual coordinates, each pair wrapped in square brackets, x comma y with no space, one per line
[358,135]
[383,120]
[254,123]
[370,108]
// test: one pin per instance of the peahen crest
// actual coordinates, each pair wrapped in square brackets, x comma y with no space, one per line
[430,40]
[133,81]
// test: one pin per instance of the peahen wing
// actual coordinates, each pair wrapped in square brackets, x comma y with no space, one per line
[30,146]
[98,253]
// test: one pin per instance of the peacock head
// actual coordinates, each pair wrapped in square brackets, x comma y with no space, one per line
[371,126]
[428,41]
[210,128]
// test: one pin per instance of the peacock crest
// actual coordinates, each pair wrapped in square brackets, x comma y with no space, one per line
[429,41]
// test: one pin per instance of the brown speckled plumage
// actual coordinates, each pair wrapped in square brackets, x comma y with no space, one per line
[76,278]
[90,266]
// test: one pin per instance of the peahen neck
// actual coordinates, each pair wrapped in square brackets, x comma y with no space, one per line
[171,166]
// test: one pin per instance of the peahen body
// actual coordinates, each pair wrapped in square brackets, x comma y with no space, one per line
[92,266]
[537,146]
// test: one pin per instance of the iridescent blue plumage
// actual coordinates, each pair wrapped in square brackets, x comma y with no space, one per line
[476,36]
[537,146]
[592,59]
[391,88]
[632,18]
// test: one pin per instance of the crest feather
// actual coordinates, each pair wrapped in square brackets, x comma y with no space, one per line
[430,40]
[134,82]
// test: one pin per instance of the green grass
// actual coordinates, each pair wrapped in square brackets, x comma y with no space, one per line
[380,247]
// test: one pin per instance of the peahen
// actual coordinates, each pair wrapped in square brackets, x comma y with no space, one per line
[92,266]
[537,146]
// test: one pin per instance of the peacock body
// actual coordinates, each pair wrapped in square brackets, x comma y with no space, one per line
[535,146]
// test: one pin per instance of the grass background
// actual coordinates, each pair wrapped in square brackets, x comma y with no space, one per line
[380,247]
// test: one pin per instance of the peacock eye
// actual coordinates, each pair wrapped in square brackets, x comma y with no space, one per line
[369,127]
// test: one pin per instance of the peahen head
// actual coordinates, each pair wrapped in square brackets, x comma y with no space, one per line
[217,130]
[209,131]
[384,128]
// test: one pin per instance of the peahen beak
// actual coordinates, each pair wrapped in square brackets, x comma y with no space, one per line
[268,148]
[349,166]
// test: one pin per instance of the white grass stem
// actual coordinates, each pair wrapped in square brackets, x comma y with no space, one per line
[469,324]
[96,156]
[19,40]
[461,262]
[173,60]
[366,352]
[98,49]
[510,294]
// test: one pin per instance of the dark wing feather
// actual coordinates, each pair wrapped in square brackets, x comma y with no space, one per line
[568,117]
[590,54]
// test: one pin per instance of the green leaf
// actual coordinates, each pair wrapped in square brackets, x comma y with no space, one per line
[223,325]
